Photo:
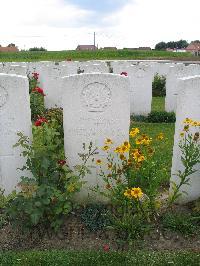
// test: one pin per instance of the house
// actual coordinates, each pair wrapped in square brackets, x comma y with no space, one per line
[9,49]
[194,48]
[86,48]
[110,48]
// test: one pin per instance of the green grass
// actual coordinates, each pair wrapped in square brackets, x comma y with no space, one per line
[158,104]
[92,55]
[164,148]
[87,258]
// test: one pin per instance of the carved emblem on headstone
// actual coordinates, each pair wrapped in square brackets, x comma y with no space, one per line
[3,96]
[96,97]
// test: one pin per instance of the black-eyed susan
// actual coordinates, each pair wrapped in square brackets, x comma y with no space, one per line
[127,193]
[160,136]
[105,148]
[134,132]
[136,192]
[186,128]
[99,162]
[108,142]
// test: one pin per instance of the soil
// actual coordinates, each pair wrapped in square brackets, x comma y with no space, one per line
[75,236]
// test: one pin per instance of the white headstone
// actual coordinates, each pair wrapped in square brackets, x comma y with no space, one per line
[176,72]
[141,78]
[188,106]
[95,107]
[50,81]
[15,116]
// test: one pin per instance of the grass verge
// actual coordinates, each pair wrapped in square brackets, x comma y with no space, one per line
[88,258]
[92,55]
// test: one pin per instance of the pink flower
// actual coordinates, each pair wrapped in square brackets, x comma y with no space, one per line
[106,247]
[124,73]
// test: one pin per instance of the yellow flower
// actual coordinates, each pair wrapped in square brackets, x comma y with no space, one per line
[117,149]
[106,148]
[108,142]
[98,162]
[134,132]
[138,141]
[182,134]
[160,136]
[144,139]
[187,121]
[127,144]
[136,192]
[122,157]
[71,188]
[194,124]
[138,157]
[124,148]
[127,193]
[186,128]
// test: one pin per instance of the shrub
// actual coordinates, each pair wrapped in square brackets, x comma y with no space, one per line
[159,86]
[47,196]
[36,97]
[180,223]
[132,182]
[161,117]
[94,216]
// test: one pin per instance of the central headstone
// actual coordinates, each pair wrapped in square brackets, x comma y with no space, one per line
[96,107]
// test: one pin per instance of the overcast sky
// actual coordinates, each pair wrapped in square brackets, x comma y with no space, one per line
[63,24]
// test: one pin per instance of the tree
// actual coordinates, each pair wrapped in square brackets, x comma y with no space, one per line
[11,45]
[37,49]
[161,46]
[172,45]
[182,44]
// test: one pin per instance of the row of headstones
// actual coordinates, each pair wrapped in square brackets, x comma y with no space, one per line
[141,75]
[96,107]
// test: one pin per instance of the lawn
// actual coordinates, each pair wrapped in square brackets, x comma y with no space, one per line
[87,258]
[158,104]
[165,148]
[92,55]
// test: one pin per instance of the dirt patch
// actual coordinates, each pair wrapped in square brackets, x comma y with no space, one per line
[75,236]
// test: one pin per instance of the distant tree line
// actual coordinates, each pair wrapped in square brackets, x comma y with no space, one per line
[172,45]
[37,49]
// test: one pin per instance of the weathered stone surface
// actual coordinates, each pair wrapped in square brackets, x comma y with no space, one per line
[15,116]
[96,107]
[176,72]
[188,106]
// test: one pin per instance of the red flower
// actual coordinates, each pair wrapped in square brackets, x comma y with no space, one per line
[124,73]
[39,90]
[40,121]
[106,247]
[61,162]
[35,75]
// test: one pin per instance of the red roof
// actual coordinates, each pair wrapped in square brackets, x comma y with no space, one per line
[193,46]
